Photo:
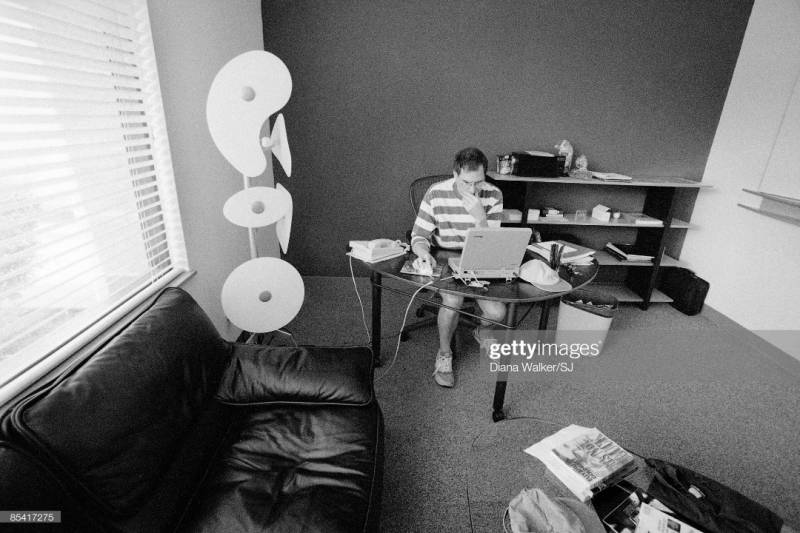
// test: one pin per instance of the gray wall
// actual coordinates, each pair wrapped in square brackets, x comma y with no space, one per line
[386,91]
[193,40]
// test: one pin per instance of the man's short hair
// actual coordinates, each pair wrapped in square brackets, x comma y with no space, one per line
[470,159]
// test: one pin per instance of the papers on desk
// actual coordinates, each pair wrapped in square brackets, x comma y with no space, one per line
[584,459]
[571,253]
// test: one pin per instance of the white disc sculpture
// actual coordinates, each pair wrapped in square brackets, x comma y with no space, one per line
[265,293]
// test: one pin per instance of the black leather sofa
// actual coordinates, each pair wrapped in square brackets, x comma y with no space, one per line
[168,427]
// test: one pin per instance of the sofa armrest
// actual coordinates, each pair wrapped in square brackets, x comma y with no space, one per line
[263,375]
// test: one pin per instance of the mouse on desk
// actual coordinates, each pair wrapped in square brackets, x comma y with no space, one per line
[423,268]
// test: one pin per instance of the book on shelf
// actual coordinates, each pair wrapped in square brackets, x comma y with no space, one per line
[640,219]
[570,252]
[584,459]
[611,176]
[627,252]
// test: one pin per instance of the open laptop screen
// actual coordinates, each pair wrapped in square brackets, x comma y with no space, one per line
[496,251]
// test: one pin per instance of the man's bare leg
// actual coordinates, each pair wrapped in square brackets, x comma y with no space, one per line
[448,321]
[492,310]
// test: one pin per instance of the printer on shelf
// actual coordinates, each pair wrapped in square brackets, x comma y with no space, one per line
[531,164]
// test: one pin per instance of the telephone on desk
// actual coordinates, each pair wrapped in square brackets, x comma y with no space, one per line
[377,249]
[380,243]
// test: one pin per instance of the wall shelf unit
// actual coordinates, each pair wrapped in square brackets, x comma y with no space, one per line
[635,280]
[570,220]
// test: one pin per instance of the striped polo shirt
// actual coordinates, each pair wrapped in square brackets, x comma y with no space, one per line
[443,216]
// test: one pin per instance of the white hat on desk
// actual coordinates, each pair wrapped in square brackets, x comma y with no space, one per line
[541,276]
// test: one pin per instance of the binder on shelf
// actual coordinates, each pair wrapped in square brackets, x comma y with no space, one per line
[627,252]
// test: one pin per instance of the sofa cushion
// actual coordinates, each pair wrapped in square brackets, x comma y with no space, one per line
[113,425]
[308,469]
[262,375]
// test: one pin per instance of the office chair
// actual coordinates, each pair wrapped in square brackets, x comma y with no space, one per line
[416,193]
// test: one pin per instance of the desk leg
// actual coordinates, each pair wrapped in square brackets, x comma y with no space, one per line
[544,317]
[502,377]
[375,279]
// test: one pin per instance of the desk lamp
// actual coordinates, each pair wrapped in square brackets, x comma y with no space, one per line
[264,293]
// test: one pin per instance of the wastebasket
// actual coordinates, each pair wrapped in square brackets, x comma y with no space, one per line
[587,311]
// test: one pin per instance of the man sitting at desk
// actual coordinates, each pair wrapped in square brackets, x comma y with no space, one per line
[447,211]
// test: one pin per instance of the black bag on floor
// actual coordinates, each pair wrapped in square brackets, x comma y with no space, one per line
[688,292]
[708,505]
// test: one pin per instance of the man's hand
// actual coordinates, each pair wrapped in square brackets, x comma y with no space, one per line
[474,207]
[423,256]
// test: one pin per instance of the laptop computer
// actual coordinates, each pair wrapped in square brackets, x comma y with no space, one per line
[491,253]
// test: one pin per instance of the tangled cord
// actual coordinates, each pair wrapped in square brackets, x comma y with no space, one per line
[402,326]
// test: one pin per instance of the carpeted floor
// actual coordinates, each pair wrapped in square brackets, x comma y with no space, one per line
[721,402]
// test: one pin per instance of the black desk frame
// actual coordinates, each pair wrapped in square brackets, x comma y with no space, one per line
[376,279]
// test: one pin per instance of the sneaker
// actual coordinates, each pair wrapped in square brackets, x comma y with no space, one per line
[480,334]
[443,372]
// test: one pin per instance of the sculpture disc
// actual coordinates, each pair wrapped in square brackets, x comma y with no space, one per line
[263,294]
[256,207]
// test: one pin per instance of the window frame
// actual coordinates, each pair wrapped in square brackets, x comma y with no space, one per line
[85,339]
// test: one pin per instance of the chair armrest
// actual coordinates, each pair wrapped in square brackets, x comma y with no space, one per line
[263,375]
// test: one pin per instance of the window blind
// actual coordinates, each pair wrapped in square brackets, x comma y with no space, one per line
[88,208]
